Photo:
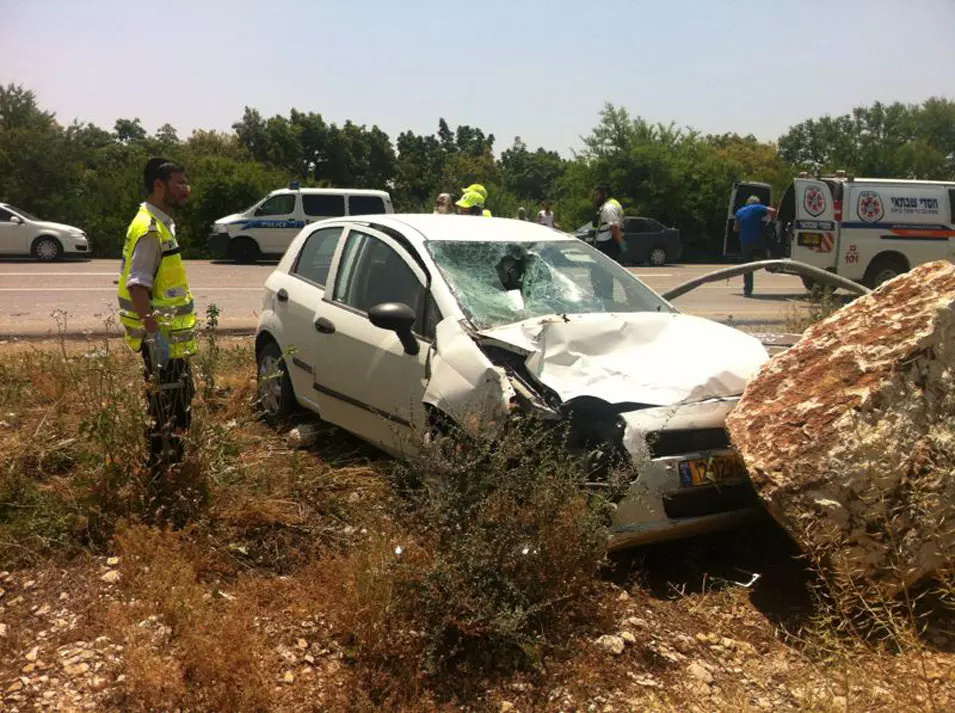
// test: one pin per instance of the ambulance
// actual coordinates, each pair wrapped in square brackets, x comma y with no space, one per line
[867,229]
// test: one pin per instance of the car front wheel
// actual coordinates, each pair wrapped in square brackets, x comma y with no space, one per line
[276,398]
[47,249]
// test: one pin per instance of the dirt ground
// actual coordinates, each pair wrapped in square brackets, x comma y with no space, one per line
[236,611]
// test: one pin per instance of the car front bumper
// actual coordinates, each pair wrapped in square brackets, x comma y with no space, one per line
[76,246]
[219,244]
[658,505]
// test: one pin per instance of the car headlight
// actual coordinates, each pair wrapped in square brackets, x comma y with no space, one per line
[220,228]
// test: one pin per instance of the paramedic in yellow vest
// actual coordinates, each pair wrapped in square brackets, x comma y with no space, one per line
[478,188]
[608,236]
[157,312]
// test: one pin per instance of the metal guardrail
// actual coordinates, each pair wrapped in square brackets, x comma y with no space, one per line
[785,266]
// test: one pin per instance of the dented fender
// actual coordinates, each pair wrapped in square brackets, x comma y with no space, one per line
[463,383]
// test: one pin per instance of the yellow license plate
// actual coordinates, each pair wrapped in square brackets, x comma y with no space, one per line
[710,471]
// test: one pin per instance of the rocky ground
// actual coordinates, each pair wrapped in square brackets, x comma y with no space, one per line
[237,613]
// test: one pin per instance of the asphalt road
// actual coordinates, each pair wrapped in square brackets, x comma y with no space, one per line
[83,293]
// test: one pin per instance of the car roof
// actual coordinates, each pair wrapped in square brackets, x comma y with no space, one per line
[433,228]
[333,191]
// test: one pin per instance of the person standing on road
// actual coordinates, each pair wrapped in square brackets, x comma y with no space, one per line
[157,311]
[751,226]
[546,216]
[608,237]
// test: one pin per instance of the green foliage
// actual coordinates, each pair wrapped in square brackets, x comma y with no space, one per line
[890,141]
[87,176]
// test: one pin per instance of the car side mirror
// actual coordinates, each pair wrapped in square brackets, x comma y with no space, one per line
[16,219]
[399,318]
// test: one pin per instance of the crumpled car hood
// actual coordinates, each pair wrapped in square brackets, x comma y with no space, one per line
[648,358]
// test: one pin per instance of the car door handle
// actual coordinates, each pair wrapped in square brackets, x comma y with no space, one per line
[324,326]
[282,295]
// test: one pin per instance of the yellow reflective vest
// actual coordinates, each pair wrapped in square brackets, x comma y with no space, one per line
[170,297]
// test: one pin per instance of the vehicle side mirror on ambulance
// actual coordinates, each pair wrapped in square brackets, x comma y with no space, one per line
[399,318]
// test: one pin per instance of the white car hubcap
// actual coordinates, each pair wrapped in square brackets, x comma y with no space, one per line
[657,256]
[46,250]
[270,384]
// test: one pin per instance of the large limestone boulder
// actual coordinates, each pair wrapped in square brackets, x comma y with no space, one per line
[849,436]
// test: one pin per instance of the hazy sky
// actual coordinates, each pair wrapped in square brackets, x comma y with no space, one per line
[539,70]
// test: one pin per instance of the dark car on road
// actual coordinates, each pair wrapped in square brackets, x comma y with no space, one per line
[648,241]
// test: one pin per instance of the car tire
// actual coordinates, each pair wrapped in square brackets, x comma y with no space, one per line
[275,395]
[657,256]
[244,251]
[47,249]
[883,269]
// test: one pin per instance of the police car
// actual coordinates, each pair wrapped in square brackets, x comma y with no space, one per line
[269,226]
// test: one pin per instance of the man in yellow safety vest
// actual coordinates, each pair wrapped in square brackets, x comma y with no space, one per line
[157,311]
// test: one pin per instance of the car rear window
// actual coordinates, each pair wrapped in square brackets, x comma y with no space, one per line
[323,206]
[365,205]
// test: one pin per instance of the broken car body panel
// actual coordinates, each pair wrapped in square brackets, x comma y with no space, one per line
[639,358]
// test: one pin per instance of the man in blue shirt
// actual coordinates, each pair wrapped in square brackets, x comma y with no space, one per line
[751,226]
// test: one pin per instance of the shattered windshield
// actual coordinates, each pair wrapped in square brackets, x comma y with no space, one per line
[498,283]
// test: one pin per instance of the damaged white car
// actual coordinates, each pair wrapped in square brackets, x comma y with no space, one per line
[394,326]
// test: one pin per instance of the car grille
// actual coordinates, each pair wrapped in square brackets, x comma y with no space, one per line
[675,443]
[710,500]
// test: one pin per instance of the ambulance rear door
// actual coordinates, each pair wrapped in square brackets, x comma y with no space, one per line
[815,231]
[741,191]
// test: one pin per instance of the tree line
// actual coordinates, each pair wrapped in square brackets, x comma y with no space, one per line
[89,176]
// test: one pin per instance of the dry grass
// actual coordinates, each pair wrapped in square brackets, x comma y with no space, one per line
[285,591]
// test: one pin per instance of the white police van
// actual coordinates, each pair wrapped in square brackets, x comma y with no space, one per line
[867,229]
[268,227]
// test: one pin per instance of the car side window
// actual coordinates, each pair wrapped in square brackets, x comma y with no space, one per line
[373,272]
[639,225]
[315,258]
[5,216]
[654,226]
[365,205]
[277,205]
[321,205]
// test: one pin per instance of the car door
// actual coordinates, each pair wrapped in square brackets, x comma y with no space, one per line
[367,384]
[636,232]
[815,231]
[276,223]
[304,289]
[14,234]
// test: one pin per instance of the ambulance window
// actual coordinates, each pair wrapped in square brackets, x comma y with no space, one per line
[283,204]
[951,205]
[836,188]
[323,205]
[787,207]
[365,205]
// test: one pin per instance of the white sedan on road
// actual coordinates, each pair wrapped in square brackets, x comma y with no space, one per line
[394,327]
[24,234]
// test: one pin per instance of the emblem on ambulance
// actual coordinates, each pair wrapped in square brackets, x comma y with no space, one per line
[814,201]
[869,207]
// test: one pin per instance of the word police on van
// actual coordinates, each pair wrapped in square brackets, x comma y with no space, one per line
[269,226]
